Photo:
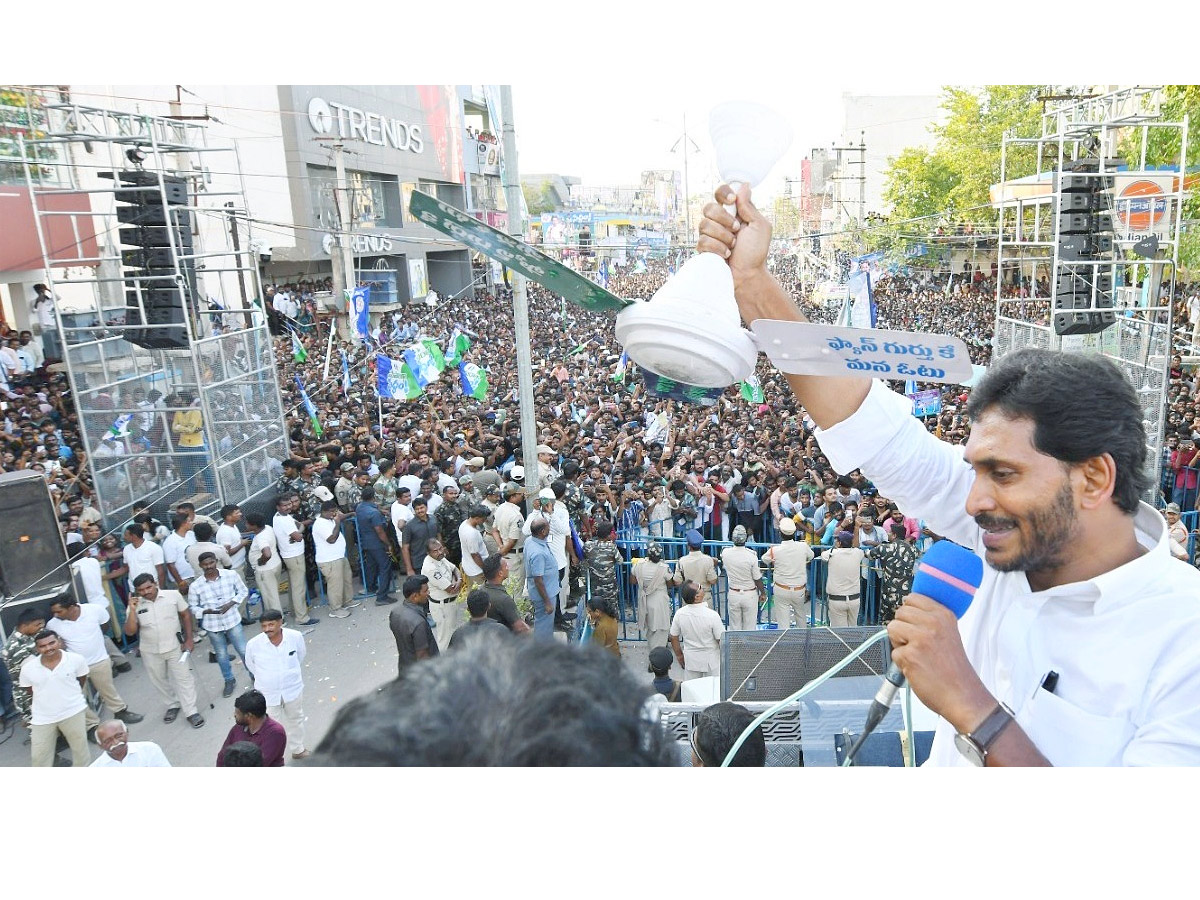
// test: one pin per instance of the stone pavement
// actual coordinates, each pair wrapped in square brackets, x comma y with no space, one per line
[346,658]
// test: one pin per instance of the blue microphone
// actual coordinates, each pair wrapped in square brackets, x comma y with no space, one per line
[949,574]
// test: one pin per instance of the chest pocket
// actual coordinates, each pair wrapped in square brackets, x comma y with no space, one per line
[1069,736]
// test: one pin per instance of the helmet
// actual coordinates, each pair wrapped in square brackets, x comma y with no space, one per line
[654,553]
[739,535]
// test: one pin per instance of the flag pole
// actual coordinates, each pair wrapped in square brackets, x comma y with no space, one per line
[329,347]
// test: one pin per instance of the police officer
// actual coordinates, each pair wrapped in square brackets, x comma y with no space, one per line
[161,617]
[510,536]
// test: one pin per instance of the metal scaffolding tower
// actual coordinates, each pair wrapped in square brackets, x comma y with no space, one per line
[211,354]
[1090,134]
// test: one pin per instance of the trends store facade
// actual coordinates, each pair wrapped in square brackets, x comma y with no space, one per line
[396,139]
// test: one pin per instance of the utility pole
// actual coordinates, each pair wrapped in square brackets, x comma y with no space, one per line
[343,257]
[861,177]
[237,253]
[516,227]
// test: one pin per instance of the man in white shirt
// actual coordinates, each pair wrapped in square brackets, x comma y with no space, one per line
[412,480]
[9,358]
[87,570]
[205,542]
[56,678]
[474,551]
[275,660]
[555,514]
[401,512]
[330,546]
[230,537]
[121,753]
[264,560]
[175,547]
[141,555]
[445,584]
[696,632]
[79,628]
[1079,645]
[290,536]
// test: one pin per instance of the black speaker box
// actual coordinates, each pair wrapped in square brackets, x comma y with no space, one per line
[33,558]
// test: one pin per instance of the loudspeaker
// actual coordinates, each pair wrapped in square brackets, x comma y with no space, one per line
[33,558]
[771,665]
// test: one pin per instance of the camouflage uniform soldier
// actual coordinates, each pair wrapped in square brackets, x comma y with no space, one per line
[308,482]
[449,516]
[469,496]
[290,483]
[601,557]
[897,562]
[18,648]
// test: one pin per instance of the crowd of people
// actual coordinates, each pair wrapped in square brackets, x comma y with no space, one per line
[430,494]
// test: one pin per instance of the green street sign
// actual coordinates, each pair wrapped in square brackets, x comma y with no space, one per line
[517,255]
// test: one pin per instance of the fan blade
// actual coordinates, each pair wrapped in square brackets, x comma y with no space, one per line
[805,348]
[495,244]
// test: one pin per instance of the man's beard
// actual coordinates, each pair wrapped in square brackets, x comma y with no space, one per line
[1051,529]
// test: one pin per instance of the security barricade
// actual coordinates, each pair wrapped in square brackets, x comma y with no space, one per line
[633,549]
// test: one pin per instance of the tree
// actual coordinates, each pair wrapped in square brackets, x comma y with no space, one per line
[786,217]
[1162,148]
[955,175]
[539,198]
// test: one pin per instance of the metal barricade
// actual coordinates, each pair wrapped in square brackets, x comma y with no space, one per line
[632,548]
[1189,520]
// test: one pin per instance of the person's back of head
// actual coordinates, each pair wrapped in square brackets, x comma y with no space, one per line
[718,728]
[243,753]
[498,702]
[478,603]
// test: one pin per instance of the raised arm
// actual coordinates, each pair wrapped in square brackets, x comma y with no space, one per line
[744,241]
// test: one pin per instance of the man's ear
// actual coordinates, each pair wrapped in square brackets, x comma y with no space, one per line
[1095,480]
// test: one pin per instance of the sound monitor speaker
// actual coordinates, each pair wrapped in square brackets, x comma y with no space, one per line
[1076,223]
[1078,201]
[33,558]
[1082,280]
[771,665]
[1077,183]
[1083,322]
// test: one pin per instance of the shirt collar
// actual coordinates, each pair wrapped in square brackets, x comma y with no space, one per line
[1125,583]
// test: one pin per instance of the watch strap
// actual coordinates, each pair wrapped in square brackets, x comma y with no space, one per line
[989,729]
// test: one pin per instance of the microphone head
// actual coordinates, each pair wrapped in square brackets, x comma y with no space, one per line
[950,575]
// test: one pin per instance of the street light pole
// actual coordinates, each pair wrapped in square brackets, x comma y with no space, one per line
[524,348]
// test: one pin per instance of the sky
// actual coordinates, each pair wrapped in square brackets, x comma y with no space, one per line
[601,90]
[646,123]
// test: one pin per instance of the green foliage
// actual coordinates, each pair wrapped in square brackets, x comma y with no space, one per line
[1162,148]
[955,174]
[539,198]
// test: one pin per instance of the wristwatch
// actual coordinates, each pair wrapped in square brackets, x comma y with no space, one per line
[975,746]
